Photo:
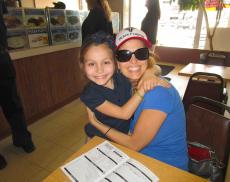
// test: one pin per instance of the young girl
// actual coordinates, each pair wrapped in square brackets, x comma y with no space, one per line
[108,92]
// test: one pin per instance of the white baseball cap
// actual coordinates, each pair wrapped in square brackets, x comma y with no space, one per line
[131,33]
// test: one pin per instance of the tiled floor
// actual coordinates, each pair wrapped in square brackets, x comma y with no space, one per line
[56,137]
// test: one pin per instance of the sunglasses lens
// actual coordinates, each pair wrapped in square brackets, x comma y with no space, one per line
[142,53]
[124,55]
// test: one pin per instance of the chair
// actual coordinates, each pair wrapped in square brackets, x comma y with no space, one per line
[214,58]
[208,85]
[209,128]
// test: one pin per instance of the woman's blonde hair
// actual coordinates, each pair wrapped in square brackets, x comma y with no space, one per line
[153,58]
[103,4]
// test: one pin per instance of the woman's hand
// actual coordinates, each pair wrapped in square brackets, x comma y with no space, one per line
[147,83]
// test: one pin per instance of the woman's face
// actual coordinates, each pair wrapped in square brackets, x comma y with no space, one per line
[134,68]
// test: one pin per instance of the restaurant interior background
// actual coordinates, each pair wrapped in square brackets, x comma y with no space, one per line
[179,41]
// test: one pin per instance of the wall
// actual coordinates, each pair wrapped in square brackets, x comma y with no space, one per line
[28,3]
[44,3]
[70,4]
[181,55]
[37,3]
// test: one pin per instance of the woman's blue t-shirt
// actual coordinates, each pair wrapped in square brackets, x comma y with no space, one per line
[169,145]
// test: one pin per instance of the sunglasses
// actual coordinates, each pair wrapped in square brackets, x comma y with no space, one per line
[125,55]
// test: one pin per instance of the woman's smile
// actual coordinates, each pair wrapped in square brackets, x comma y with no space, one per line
[134,68]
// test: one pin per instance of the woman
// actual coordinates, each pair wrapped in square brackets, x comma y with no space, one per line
[107,93]
[99,18]
[150,22]
[158,125]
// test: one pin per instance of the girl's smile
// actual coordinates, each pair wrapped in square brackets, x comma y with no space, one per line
[99,65]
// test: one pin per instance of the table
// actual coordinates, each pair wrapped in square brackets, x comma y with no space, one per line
[191,68]
[164,171]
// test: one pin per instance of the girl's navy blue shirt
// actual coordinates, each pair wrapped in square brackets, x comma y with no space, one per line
[94,95]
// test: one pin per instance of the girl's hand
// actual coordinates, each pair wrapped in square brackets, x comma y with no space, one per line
[149,81]
[147,84]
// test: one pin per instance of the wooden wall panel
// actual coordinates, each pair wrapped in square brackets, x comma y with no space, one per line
[46,82]
[33,84]
[181,55]
[64,75]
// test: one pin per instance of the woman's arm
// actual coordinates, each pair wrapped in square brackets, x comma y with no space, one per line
[145,130]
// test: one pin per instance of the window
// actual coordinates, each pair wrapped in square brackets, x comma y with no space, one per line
[176,28]
[138,11]
[223,24]
[83,5]
[126,13]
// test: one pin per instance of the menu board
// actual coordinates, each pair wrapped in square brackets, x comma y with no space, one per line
[73,25]
[31,27]
[38,37]
[58,35]
[36,27]
[16,34]
[14,18]
[73,18]
[56,17]
[74,33]
[17,39]
[57,26]
[35,18]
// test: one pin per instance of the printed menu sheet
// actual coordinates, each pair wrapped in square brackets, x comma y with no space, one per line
[106,163]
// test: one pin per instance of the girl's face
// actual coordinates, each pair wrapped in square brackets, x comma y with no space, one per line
[99,65]
[134,68]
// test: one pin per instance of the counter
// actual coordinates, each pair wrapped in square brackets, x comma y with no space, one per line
[47,78]
[18,54]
